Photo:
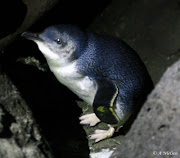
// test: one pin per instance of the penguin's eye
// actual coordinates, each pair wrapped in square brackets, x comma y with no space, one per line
[58,41]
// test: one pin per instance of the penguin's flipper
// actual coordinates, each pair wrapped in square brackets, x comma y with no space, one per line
[103,104]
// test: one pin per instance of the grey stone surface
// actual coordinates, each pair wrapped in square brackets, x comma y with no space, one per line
[156,130]
[19,133]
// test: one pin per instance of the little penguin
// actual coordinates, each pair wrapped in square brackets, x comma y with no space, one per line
[100,69]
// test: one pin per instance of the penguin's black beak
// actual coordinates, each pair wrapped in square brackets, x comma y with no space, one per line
[31,36]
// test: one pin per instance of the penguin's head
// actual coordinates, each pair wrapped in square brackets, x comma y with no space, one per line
[61,43]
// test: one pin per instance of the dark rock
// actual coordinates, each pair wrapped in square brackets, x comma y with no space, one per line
[151,28]
[18,16]
[12,13]
[156,130]
[19,133]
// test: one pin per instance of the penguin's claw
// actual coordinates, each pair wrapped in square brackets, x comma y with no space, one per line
[89,120]
[92,120]
[101,134]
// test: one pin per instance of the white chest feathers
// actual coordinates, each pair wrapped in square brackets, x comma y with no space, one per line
[83,86]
